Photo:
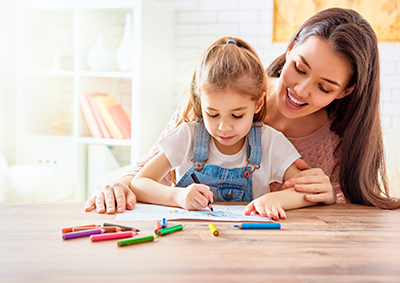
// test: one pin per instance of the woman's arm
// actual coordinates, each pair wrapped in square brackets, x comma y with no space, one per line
[313,182]
[115,194]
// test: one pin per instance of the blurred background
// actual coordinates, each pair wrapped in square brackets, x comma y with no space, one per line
[56,55]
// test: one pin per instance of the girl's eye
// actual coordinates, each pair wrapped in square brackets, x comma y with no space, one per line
[212,116]
[238,117]
[298,70]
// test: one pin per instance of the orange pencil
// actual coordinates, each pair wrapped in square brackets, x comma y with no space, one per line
[158,227]
[70,229]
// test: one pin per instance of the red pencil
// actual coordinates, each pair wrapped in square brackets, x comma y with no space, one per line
[112,236]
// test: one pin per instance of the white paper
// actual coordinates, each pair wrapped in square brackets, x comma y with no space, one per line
[150,212]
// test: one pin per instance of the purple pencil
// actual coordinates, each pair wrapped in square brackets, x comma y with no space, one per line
[80,234]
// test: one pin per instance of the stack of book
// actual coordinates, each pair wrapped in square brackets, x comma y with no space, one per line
[105,117]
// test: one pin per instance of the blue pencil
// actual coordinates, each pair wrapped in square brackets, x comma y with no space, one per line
[267,225]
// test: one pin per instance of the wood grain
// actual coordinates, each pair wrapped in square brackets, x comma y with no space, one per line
[337,243]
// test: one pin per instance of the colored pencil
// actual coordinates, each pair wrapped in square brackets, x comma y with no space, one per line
[196,180]
[268,225]
[213,229]
[164,223]
[123,228]
[68,230]
[169,230]
[74,235]
[108,229]
[158,227]
[132,241]
[112,236]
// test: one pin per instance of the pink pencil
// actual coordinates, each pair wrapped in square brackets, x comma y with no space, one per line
[112,236]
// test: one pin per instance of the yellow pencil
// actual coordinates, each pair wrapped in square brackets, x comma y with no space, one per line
[213,229]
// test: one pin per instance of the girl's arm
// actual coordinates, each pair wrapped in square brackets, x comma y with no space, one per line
[145,185]
[274,204]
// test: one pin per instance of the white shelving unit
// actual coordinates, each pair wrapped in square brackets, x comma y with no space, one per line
[51,128]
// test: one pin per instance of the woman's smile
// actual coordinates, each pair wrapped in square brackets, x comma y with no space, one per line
[293,101]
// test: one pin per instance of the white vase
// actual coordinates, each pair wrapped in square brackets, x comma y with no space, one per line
[123,55]
[99,57]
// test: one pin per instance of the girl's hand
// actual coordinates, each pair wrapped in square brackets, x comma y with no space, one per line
[312,181]
[116,194]
[266,205]
[194,197]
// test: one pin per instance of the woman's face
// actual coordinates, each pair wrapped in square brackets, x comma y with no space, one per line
[312,77]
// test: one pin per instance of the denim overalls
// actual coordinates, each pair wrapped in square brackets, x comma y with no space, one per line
[233,184]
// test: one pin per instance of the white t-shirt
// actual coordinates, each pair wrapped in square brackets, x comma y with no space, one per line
[277,155]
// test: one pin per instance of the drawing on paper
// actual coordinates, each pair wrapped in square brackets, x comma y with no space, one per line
[222,213]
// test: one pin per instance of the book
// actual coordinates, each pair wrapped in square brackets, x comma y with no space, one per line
[97,115]
[89,117]
[121,119]
[102,103]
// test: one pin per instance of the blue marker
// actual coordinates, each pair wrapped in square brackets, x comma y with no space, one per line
[266,225]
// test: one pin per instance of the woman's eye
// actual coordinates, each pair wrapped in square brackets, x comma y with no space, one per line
[298,70]
[238,116]
[323,90]
[212,116]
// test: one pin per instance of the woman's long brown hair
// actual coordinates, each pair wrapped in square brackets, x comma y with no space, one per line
[357,121]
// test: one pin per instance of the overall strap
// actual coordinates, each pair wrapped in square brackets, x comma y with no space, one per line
[254,148]
[200,146]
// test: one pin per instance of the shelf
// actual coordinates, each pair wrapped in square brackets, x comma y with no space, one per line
[50,73]
[53,73]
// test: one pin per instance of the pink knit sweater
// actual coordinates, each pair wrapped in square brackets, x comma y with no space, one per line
[316,149]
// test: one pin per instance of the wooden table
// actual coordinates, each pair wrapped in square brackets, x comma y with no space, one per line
[337,243]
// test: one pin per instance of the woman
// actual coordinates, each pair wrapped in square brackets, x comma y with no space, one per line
[323,95]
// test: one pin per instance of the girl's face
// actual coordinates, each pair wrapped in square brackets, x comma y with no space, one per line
[312,77]
[228,117]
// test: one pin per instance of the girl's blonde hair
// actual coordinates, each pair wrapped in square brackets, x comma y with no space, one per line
[228,62]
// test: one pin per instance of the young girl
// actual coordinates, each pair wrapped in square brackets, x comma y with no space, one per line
[221,138]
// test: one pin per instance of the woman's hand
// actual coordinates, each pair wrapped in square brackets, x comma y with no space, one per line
[116,194]
[312,181]
[194,197]
[267,205]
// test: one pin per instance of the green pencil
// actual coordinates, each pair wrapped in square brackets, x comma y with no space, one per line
[132,241]
[168,230]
